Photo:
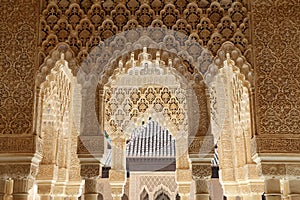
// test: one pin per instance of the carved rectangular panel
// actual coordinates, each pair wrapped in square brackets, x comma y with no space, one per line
[19,26]
[276,53]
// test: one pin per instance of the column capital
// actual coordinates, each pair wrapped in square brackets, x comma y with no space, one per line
[117,192]
[21,187]
[89,171]
[201,171]
[18,171]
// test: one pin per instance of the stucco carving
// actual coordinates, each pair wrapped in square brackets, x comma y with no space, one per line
[277,60]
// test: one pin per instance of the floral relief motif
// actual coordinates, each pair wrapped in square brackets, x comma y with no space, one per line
[277,64]
[18,49]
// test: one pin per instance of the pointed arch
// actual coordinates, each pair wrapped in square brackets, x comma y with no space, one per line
[161,193]
[144,194]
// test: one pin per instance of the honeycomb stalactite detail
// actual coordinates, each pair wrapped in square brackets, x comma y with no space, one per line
[83,25]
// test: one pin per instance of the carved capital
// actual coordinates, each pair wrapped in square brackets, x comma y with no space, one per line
[184,189]
[201,171]
[22,185]
[45,188]
[201,186]
[90,170]
[293,170]
[231,190]
[257,187]
[117,191]
[18,171]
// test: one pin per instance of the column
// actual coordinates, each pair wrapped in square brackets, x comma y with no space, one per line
[201,175]
[272,189]
[90,189]
[294,189]
[2,188]
[44,190]
[183,170]
[9,190]
[201,192]
[21,188]
[117,174]
[231,197]
[184,191]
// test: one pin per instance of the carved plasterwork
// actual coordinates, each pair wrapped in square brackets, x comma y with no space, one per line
[18,171]
[231,123]
[276,47]
[90,171]
[201,171]
[18,51]
[127,105]
[55,113]
[152,183]
[80,25]
[59,165]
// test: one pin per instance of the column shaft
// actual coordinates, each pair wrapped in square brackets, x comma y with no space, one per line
[231,198]
[2,188]
[201,192]
[272,189]
[21,188]
[90,196]
[117,174]
[45,197]
[202,196]
[294,189]
[90,187]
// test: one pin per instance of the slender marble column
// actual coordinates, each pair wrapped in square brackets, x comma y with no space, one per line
[21,188]
[272,189]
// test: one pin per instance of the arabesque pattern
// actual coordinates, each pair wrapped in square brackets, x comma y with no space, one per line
[18,48]
[277,58]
